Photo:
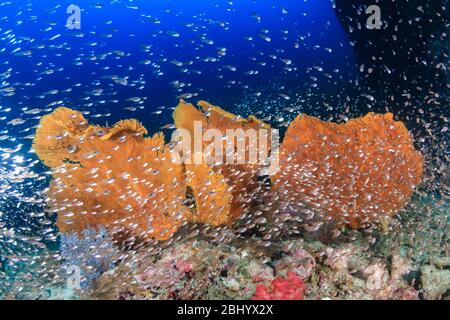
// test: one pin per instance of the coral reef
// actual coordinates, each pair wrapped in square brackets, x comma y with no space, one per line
[189,270]
[307,270]
[435,282]
[56,139]
[298,261]
[197,268]
[364,170]
[112,184]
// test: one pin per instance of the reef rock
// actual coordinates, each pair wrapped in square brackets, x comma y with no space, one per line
[435,282]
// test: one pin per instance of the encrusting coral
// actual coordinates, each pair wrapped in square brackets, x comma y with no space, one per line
[361,171]
[291,288]
[364,170]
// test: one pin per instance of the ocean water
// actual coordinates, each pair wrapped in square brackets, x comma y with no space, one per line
[273,59]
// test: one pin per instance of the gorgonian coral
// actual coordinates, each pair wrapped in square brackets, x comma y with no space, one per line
[56,138]
[211,194]
[361,171]
[112,177]
[242,178]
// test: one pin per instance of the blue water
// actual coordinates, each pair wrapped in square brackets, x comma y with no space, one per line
[132,28]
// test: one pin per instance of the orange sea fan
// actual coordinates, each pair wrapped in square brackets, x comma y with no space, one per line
[242,178]
[57,136]
[116,178]
[362,171]
[211,193]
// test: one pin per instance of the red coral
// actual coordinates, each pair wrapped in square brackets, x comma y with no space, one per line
[281,288]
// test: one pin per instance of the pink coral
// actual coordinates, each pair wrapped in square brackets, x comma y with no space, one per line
[281,288]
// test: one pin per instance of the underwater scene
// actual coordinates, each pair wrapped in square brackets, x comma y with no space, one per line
[224,150]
